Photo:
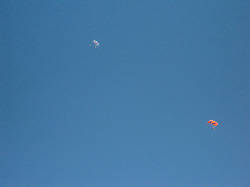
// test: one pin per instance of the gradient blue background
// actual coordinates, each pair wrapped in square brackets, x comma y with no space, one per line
[134,112]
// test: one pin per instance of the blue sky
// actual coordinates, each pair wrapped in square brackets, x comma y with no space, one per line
[133,112]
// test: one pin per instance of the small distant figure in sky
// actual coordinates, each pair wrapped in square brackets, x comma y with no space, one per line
[95,43]
[213,123]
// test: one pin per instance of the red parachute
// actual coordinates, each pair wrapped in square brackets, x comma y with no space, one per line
[213,123]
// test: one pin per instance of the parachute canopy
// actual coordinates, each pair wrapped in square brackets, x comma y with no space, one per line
[95,43]
[213,123]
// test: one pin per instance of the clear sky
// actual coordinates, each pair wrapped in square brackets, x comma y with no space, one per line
[134,112]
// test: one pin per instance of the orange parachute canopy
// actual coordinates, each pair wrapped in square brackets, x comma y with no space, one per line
[213,123]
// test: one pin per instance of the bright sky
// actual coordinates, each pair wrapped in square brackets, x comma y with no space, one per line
[134,112]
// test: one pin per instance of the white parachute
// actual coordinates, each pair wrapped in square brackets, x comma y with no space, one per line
[95,44]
